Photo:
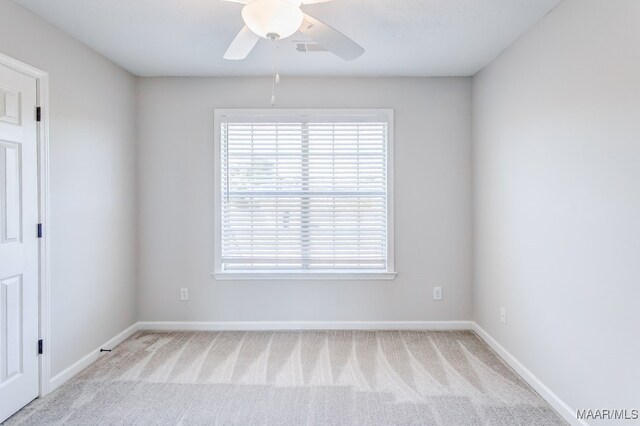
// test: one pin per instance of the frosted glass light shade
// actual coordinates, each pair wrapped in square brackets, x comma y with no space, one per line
[267,17]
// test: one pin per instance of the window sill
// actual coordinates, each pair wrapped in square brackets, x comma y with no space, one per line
[303,276]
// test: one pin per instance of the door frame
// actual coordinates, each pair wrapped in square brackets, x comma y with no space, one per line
[44,279]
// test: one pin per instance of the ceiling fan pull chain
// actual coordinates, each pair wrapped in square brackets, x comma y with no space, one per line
[277,42]
[276,77]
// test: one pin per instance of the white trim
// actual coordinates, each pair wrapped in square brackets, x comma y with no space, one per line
[217,204]
[44,320]
[64,376]
[347,276]
[69,372]
[303,325]
[329,114]
[391,190]
[335,114]
[568,413]
[560,406]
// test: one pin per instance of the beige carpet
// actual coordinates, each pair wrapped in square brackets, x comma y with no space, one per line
[295,378]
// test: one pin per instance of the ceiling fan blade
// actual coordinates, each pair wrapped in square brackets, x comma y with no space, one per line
[314,1]
[238,1]
[331,39]
[240,47]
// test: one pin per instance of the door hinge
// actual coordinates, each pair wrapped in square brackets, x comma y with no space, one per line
[40,347]
[39,230]
[38,114]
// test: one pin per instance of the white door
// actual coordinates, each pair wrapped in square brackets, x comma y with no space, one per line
[18,242]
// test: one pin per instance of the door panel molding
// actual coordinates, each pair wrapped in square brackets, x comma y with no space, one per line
[42,134]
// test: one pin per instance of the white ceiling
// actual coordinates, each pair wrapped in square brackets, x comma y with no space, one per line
[401,37]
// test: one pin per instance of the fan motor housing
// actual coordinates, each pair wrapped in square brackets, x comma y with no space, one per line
[267,18]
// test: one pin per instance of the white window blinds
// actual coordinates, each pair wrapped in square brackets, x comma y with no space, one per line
[304,193]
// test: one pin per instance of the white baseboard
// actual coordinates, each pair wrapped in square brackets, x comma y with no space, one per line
[563,409]
[568,413]
[305,325]
[62,377]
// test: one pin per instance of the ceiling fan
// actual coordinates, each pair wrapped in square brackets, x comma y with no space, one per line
[279,19]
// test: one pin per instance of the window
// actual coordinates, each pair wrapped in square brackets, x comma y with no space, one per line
[304,194]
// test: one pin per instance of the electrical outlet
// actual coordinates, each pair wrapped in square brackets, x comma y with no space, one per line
[184,294]
[437,293]
[503,315]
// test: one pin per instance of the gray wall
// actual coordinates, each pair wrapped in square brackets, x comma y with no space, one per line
[433,202]
[557,203]
[93,213]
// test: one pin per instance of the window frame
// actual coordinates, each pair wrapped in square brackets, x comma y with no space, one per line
[220,274]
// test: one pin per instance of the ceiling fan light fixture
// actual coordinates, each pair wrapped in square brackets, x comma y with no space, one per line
[273,18]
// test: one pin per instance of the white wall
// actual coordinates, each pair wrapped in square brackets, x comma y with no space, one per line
[433,202]
[557,201]
[92,140]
